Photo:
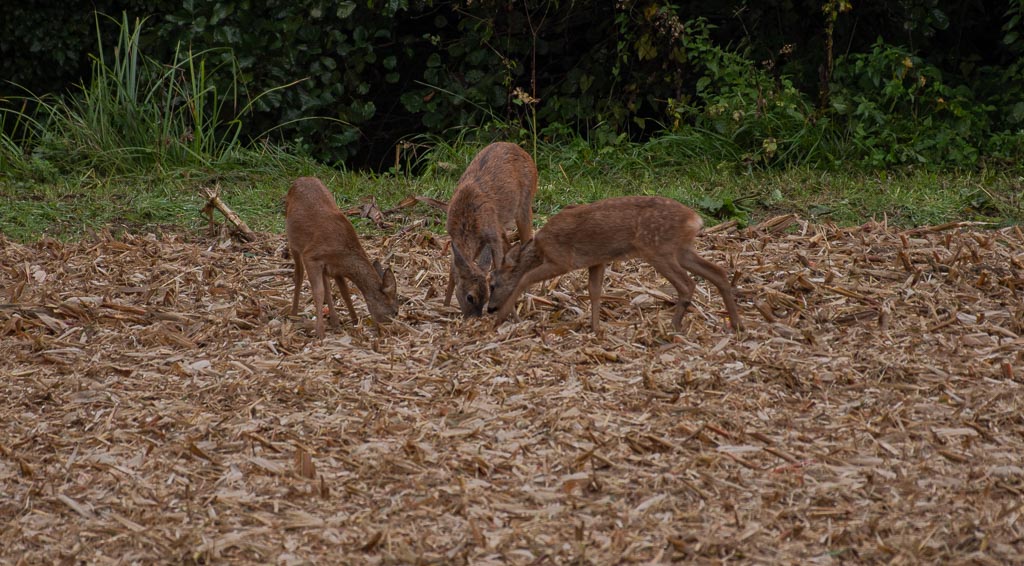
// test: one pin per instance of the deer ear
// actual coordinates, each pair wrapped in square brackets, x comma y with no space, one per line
[460,261]
[490,258]
[388,280]
[513,253]
[378,267]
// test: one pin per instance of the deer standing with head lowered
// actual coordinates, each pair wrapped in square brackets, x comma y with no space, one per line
[324,244]
[494,192]
[657,229]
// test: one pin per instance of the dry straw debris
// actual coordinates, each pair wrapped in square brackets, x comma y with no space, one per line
[159,407]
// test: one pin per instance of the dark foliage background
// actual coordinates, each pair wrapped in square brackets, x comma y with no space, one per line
[774,81]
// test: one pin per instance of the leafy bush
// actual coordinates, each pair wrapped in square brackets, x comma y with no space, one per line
[899,110]
[766,117]
[734,81]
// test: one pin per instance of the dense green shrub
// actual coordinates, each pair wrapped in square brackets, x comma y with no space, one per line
[766,83]
[899,109]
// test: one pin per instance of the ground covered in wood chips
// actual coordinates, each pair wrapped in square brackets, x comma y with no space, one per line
[159,406]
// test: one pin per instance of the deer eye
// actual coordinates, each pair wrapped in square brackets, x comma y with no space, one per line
[471,299]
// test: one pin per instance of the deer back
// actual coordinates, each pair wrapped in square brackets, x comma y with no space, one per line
[313,220]
[495,192]
[320,234]
[601,232]
[617,228]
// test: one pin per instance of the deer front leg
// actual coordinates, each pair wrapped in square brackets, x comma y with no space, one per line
[347,297]
[451,285]
[297,280]
[537,274]
[596,276]
[524,228]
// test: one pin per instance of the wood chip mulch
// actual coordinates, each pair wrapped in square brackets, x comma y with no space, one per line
[159,406]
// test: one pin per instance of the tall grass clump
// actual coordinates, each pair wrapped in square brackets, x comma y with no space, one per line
[13,125]
[134,114]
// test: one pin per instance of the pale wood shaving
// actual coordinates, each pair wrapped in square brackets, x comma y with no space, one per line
[159,406]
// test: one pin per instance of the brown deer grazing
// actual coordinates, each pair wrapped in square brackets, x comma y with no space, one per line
[324,244]
[657,229]
[495,191]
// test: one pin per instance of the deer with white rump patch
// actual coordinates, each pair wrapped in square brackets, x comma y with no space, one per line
[657,229]
[324,244]
[495,191]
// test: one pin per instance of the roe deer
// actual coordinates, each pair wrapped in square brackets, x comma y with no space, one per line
[324,244]
[495,191]
[657,229]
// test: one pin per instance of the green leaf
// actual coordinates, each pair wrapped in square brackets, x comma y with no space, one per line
[644,49]
[412,101]
[585,82]
[345,9]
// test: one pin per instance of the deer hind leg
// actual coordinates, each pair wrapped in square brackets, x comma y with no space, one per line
[697,265]
[596,277]
[679,279]
[332,313]
[316,285]
[347,297]
[297,280]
